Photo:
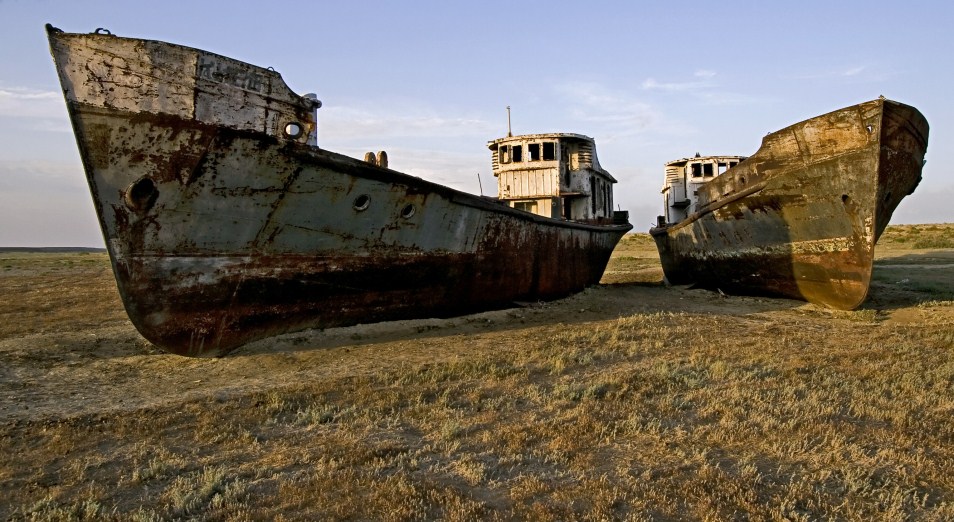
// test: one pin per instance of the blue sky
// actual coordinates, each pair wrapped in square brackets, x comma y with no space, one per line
[430,81]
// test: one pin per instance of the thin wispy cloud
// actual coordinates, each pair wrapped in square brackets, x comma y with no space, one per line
[455,170]
[42,175]
[848,73]
[704,87]
[356,122]
[703,81]
[618,112]
[651,84]
[435,144]
[23,102]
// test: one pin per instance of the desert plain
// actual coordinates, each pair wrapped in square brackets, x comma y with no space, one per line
[629,401]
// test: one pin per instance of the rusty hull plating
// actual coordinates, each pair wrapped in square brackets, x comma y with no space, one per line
[800,217]
[225,223]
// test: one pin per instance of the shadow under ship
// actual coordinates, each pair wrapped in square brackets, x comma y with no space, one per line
[801,216]
[226,223]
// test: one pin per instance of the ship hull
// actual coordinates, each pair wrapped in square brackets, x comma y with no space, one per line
[800,218]
[224,232]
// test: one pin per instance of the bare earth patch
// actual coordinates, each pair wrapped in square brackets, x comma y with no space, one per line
[631,400]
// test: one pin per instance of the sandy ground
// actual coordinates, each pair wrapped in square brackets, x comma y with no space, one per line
[67,348]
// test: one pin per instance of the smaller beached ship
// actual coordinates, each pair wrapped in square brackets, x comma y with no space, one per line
[799,218]
[226,223]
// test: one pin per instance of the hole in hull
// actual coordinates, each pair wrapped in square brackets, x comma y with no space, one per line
[141,194]
[362,202]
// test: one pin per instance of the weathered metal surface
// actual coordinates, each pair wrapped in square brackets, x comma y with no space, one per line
[800,217]
[225,225]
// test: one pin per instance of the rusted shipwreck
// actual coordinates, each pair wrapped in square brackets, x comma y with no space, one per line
[801,216]
[226,223]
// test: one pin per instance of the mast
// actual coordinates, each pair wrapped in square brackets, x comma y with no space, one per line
[509,133]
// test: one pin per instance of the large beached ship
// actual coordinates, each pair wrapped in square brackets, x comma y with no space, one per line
[226,223]
[801,216]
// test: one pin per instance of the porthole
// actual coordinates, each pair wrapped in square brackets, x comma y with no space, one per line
[141,194]
[408,211]
[293,130]
[362,202]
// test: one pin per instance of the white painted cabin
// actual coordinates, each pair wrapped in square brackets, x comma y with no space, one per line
[554,175]
[683,179]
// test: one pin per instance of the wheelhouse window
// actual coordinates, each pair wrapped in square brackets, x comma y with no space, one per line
[549,151]
[533,152]
[505,154]
[722,168]
[707,170]
[697,170]
[517,153]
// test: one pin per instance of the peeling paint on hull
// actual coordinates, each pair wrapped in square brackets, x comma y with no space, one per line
[223,227]
[800,217]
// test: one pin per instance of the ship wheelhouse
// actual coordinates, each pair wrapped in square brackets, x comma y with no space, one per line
[553,175]
[683,179]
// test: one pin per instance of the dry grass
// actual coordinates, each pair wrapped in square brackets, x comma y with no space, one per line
[708,408]
[634,261]
[917,236]
[35,300]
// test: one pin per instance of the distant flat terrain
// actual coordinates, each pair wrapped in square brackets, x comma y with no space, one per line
[630,400]
[62,250]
